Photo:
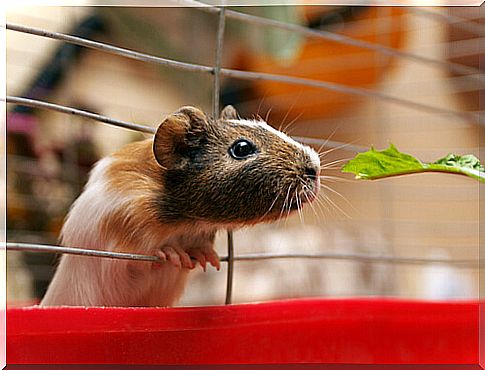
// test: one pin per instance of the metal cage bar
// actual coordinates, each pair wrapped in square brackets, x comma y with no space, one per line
[215,112]
[354,257]
[151,130]
[245,75]
[332,36]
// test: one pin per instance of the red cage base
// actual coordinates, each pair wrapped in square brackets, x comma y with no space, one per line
[361,331]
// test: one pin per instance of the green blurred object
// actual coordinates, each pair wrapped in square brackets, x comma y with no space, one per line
[283,46]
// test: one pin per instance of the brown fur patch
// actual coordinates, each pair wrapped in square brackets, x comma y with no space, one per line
[135,169]
[134,174]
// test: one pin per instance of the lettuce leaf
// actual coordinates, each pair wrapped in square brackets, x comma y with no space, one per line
[375,164]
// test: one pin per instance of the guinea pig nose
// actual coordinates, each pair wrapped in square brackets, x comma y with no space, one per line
[311,173]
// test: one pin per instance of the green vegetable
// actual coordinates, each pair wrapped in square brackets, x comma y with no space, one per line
[375,164]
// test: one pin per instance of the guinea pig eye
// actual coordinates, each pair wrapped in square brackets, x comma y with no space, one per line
[242,149]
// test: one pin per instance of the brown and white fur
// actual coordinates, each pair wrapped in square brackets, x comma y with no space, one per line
[168,197]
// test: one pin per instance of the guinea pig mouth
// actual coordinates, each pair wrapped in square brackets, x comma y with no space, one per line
[307,196]
[302,197]
[306,192]
[310,191]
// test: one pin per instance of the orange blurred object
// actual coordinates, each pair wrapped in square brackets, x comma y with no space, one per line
[325,60]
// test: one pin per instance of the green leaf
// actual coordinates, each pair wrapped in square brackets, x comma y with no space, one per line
[375,164]
[468,161]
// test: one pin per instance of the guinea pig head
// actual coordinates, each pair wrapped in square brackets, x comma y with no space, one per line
[231,171]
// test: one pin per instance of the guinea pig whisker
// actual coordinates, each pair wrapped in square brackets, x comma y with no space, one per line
[280,127]
[331,202]
[308,199]
[325,165]
[289,208]
[333,205]
[288,126]
[257,117]
[322,185]
[321,154]
[260,104]
[332,190]
[302,182]
[284,202]
[328,206]
[318,202]
[338,194]
[333,165]
[333,178]
[299,207]
[306,187]
[328,138]
[290,203]
[332,168]
[288,112]
[321,206]
[267,115]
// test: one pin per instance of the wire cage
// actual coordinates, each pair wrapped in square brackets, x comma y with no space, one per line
[403,240]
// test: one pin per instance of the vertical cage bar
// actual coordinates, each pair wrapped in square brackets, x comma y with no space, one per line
[230,266]
[215,112]
[217,66]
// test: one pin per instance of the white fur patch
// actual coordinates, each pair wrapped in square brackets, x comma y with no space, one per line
[81,226]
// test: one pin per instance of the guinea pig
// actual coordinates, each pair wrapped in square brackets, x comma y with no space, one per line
[168,196]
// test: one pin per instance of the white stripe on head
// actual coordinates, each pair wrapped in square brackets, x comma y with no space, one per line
[312,154]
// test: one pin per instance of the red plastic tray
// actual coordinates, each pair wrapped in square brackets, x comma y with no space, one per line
[362,331]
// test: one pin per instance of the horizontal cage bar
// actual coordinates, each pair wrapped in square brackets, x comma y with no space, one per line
[151,130]
[355,257]
[246,75]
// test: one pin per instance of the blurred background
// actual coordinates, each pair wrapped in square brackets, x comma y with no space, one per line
[421,216]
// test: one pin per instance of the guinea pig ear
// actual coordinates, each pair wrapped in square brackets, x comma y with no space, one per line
[171,137]
[229,112]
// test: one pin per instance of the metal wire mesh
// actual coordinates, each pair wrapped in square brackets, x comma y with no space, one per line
[217,71]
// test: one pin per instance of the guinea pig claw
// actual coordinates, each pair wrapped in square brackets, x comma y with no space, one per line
[199,256]
[213,258]
[204,255]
